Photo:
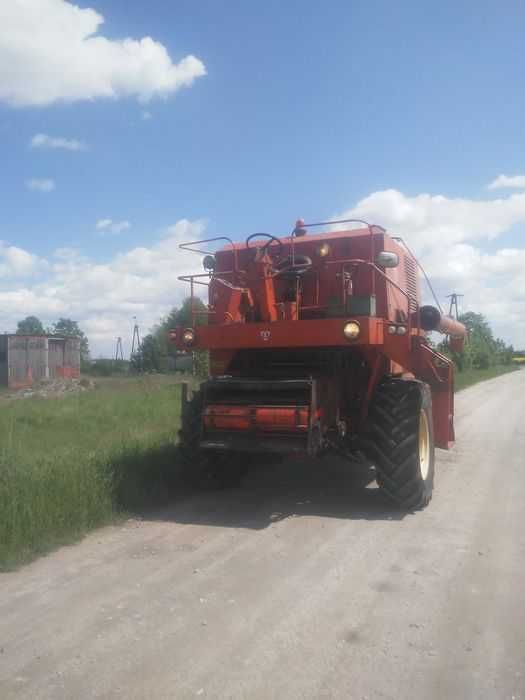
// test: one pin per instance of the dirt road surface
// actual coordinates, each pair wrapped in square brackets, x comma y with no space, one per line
[303,583]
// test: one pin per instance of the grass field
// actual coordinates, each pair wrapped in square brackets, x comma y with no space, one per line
[70,464]
[472,376]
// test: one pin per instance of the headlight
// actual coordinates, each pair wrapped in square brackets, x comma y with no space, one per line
[323,250]
[188,336]
[351,330]
[209,263]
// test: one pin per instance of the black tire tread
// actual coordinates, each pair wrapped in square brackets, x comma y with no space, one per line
[392,442]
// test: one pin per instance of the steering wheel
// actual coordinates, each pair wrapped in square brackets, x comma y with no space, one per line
[267,244]
[289,269]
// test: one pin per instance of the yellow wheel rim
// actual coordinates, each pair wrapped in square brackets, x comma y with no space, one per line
[424,445]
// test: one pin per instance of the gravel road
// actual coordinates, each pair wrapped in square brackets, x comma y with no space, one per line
[303,583]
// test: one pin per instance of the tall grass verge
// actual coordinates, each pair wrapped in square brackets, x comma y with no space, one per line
[468,377]
[71,464]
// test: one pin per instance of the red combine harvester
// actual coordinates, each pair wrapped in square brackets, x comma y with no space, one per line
[318,342]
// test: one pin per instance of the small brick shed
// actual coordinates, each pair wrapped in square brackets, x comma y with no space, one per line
[25,359]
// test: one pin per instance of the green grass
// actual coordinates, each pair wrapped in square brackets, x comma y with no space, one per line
[68,465]
[71,464]
[469,377]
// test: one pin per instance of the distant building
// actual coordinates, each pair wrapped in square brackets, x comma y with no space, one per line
[25,359]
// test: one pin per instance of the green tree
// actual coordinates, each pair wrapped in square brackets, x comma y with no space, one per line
[67,327]
[481,349]
[201,358]
[149,357]
[183,317]
[161,331]
[31,325]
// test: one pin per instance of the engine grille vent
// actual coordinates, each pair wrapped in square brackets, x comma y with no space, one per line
[411,280]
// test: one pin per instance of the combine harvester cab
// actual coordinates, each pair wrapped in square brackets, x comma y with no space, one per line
[317,343]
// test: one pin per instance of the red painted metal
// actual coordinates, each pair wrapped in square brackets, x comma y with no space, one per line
[280,334]
[253,307]
[259,418]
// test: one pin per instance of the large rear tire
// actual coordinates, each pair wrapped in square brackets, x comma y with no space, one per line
[401,442]
[203,469]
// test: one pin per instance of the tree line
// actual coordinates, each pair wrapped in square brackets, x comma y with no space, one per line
[65,327]
[482,350]
[158,354]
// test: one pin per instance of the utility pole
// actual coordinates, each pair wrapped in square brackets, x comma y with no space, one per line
[135,343]
[119,353]
[454,304]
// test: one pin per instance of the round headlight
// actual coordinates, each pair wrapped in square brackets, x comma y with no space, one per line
[323,250]
[351,330]
[188,336]
[209,263]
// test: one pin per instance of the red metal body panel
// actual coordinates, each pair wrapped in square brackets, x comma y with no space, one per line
[263,418]
[252,308]
[282,334]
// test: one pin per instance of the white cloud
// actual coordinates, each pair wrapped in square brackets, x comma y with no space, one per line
[507,182]
[41,185]
[146,116]
[103,298]
[104,226]
[45,141]
[16,262]
[50,50]
[432,219]
[448,237]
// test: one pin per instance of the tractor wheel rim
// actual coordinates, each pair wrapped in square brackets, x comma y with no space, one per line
[424,445]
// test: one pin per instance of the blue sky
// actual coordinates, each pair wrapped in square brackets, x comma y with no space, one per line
[305,109]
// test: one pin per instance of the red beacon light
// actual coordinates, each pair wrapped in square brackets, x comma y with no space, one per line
[300,229]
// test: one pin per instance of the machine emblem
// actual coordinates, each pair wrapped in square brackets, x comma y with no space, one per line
[265,335]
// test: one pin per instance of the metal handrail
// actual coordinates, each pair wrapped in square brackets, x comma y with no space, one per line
[186,246]
[369,226]
[355,261]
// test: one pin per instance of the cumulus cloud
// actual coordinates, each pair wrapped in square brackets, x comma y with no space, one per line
[449,235]
[16,262]
[104,297]
[41,185]
[49,142]
[104,226]
[434,218]
[507,182]
[51,50]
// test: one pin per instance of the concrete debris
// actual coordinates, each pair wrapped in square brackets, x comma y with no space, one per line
[55,388]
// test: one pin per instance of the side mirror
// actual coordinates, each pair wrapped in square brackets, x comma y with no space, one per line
[387,259]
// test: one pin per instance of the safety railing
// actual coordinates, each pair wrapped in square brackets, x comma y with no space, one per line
[195,246]
[191,247]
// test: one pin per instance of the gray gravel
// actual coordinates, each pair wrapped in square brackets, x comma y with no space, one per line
[303,583]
